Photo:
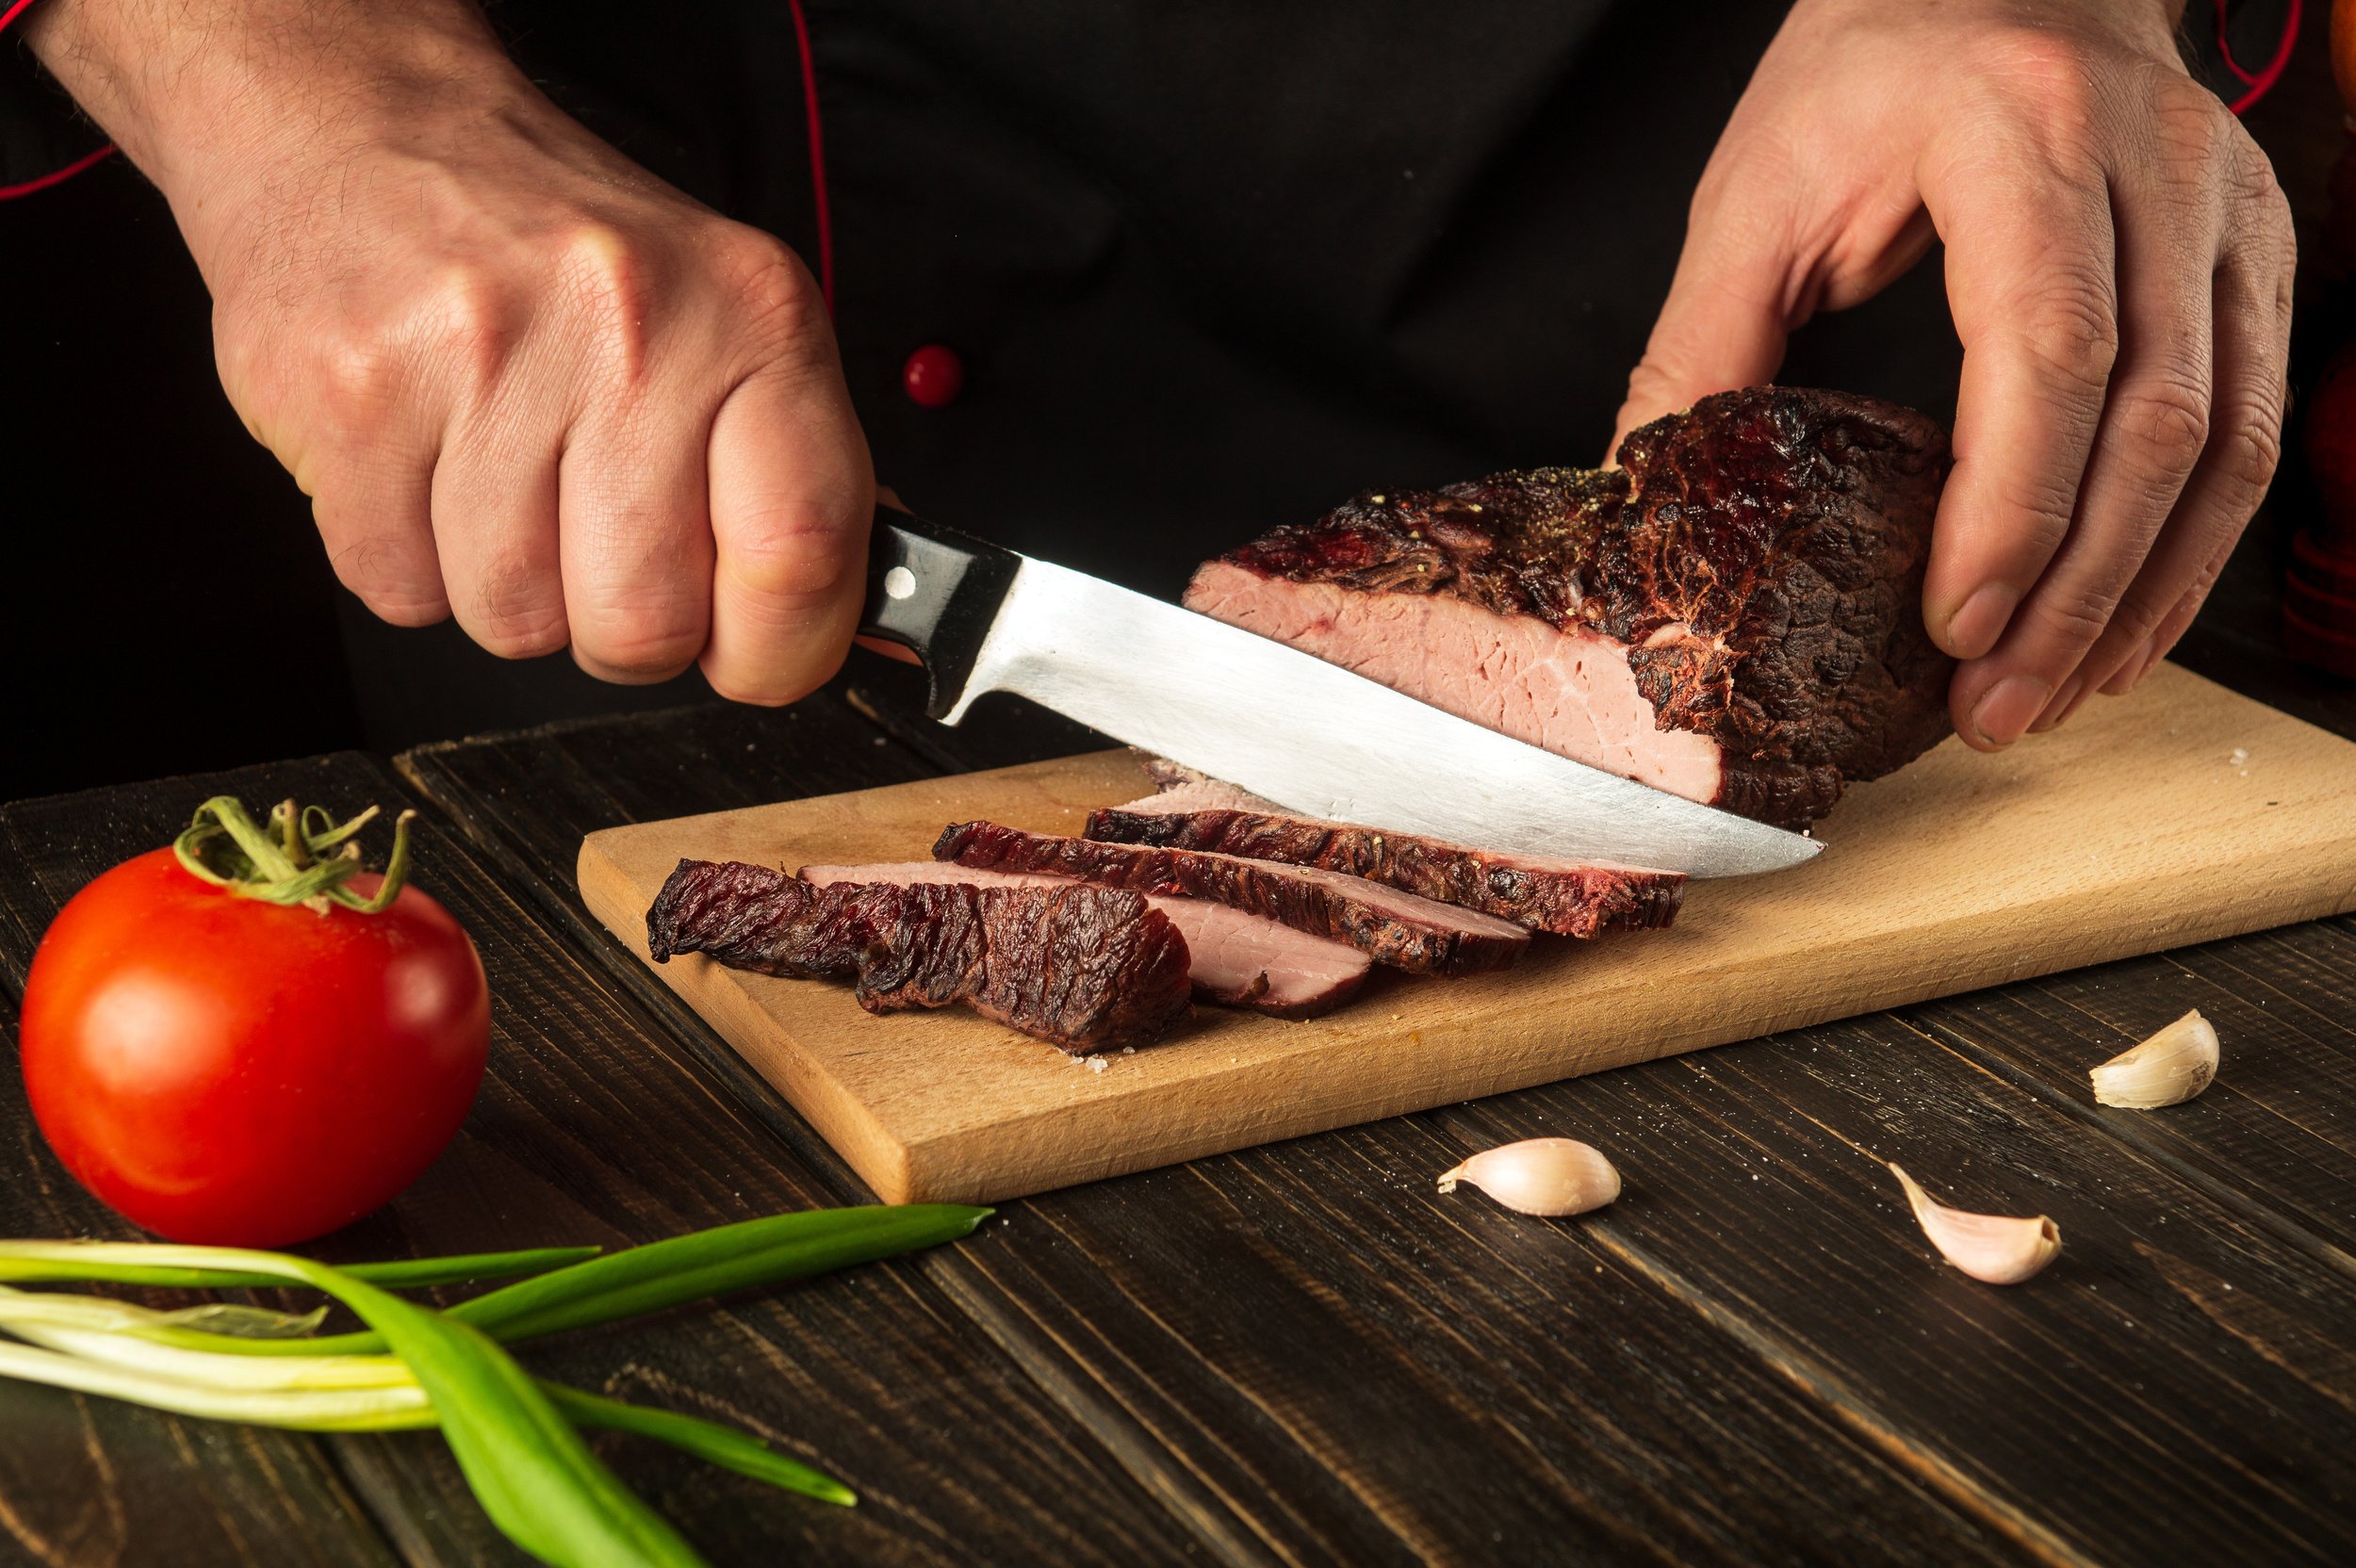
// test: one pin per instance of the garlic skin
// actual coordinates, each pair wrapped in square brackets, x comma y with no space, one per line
[2166,1069]
[1553,1177]
[1995,1247]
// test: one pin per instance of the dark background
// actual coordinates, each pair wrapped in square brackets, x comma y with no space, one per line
[1198,291]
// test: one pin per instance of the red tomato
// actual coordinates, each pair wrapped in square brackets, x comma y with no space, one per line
[223,1069]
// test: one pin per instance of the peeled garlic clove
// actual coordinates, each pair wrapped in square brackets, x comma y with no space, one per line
[1544,1176]
[2166,1069]
[1992,1246]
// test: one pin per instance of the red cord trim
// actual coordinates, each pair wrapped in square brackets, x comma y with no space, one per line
[817,154]
[2262,82]
[57,176]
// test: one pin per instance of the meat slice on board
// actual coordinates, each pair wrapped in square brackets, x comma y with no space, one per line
[1085,968]
[1733,614]
[1235,958]
[1392,927]
[1559,896]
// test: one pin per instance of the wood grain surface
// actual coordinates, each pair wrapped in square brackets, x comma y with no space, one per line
[1313,1359]
[592,1125]
[2184,813]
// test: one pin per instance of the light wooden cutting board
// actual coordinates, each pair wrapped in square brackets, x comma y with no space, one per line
[2179,814]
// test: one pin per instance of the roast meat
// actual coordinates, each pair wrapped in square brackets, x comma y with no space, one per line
[1733,613]
[1235,958]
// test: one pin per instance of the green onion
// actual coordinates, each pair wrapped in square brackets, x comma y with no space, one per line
[711,1263]
[412,1366]
[527,1465]
[646,1279]
[326,1392]
[56,1260]
[723,1445]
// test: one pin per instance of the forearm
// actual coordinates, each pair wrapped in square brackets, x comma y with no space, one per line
[209,97]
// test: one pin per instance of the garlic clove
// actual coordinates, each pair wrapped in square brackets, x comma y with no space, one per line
[2166,1069]
[1996,1248]
[1542,1176]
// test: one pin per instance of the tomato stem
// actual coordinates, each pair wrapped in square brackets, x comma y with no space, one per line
[302,857]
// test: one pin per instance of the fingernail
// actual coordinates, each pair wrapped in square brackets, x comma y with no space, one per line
[1973,629]
[2120,684]
[2009,707]
[2063,704]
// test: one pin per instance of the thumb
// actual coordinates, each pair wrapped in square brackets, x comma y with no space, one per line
[1723,326]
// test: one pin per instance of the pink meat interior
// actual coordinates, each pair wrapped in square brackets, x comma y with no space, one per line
[1569,692]
[1211,795]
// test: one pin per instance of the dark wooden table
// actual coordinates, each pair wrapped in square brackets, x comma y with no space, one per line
[1301,1354]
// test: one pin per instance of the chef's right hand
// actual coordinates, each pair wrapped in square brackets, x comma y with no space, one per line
[524,382]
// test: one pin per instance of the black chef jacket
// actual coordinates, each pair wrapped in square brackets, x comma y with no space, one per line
[1209,268]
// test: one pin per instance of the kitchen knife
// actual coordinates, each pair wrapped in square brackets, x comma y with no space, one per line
[1308,735]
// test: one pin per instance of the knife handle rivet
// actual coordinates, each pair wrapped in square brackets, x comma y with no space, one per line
[899,582]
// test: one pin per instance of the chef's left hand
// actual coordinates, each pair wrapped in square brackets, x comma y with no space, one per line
[2118,264]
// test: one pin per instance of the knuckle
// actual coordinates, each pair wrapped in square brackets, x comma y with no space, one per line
[377,572]
[2189,125]
[2073,617]
[361,376]
[2250,449]
[613,282]
[2167,420]
[772,292]
[469,324]
[2073,332]
[2038,507]
[388,564]
[2130,622]
[523,637]
[2051,73]
[791,554]
[517,615]
[649,638]
[2256,182]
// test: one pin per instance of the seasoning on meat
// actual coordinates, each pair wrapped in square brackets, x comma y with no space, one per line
[1559,896]
[1085,968]
[1733,614]
[1236,960]
[1392,927]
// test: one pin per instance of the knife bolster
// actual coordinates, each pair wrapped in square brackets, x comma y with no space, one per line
[936,592]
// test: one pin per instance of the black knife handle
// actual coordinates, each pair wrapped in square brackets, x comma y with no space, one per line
[935,591]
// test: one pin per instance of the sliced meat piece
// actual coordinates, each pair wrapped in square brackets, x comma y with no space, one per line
[1235,958]
[1734,613]
[1395,928]
[1561,896]
[1085,968]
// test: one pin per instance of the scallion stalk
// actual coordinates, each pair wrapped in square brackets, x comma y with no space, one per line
[413,1366]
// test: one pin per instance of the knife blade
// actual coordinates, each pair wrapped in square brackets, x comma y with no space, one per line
[1310,736]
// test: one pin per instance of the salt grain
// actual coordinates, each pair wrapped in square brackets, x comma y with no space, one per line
[2241,755]
[1097,1063]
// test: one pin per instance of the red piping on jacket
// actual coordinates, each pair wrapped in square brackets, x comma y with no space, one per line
[56,176]
[817,156]
[2261,82]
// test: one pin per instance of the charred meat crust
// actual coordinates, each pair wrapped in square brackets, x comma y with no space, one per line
[1760,555]
[1234,959]
[1570,902]
[1085,968]
[1389,926]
